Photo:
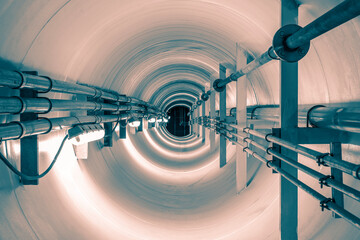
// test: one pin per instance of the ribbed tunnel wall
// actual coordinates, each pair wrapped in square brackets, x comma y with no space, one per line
[152,185]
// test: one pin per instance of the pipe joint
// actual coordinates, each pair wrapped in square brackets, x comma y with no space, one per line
[281,49]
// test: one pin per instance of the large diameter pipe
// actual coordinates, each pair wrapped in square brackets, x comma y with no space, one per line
[340,14]
[16,105]
[291,43]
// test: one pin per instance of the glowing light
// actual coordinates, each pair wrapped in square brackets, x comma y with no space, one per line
[81,134]
[152,120]
[159,120]
[134,122]
[166,120]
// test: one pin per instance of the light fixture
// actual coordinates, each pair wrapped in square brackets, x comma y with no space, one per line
[166,120]
[159,119]
[134,122]
[151,119]
[84,133]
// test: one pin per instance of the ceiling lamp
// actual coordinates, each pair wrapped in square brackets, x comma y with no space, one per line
[159,119]
[134,122]
[84,133]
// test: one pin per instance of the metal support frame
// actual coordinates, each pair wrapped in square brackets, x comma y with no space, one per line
[122,129]
[241,120]
[108,138]
[203,127]
[222,74]
[292,42]
[29,149]
[212,113]
[288,120]
[336,174]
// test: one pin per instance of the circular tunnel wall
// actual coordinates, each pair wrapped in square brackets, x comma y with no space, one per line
[153,185]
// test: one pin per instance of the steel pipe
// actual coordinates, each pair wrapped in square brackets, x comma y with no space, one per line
[18,80]
[291,42]
[334,117]
[16,105]
[321,158]
[355,194]
[16,130]
[325,203]
[340,14]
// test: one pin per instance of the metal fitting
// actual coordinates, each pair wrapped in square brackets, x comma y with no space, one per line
[216,87]
[282,50]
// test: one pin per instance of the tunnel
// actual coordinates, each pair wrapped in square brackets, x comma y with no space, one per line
[162,180]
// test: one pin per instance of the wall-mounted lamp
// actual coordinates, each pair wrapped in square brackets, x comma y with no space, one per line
[151,119]
[165,120]
[159,119]
[85,133]
[134,122]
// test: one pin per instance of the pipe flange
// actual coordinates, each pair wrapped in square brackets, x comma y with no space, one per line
[51,83]
[216,87]
[50,105]
[280,48]
[199,102]
[50,124]
[23,80]
[204,97]
[23,105]
[308,122]
[23,130]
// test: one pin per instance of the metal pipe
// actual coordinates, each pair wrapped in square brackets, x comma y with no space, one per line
[325,203]
[333,116]
[355,194]
[321,158]
[15,130]
[18,80]
[291,43]
[340,14]
[16,105]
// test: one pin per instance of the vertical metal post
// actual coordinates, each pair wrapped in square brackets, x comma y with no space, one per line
[195,124]
[29,149]
[108,129]
[82,150]
[122,129]
[203,126]
[288,121]
[141,126]
[222,110]
[198,121]
[212,113]
[241,119]
[335,150]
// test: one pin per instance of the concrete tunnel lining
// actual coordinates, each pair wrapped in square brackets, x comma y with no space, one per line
[136,189]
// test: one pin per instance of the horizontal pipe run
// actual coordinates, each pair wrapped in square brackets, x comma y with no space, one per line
[14,79]
[340,14]
[18,80]
[346,167]
[258,62]
[353,193]
[15,130]
[327,181]
[349,217]
[15,105]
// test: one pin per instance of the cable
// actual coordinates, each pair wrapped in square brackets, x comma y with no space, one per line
[117,123]
[22,175]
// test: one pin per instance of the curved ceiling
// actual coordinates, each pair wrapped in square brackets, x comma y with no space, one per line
[152,185]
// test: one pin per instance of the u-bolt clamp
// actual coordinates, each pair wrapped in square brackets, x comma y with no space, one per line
[320,159]
[324,203]
[323,180]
